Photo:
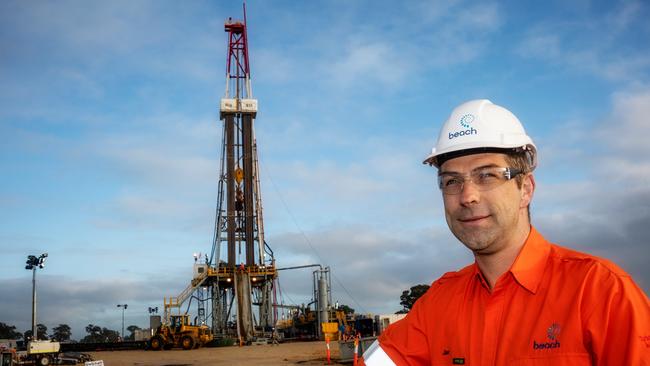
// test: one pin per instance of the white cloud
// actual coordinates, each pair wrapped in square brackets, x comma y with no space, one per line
[364,62]
[274,66]
[165,150]
[625,17]
[65,300]
[372,264]
[82,83]
[604,209]
[480,17]
[456,14]
[163,167]
[628,127]
[377,180]
[541,44]
[462,35]
[388,56]
[593,44]
[119,26]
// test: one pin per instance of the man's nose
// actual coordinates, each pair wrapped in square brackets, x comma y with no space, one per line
[469,193]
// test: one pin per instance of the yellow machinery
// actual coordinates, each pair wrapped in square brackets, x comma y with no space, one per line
[180,333]
[330,330]
[341,317]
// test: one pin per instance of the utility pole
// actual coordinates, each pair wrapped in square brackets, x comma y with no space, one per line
[123,306]
[32,263]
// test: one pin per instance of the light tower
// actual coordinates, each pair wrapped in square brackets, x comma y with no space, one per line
[244,272]
[123,306]
[32,264]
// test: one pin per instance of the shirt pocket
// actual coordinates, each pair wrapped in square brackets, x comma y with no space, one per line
[560,359]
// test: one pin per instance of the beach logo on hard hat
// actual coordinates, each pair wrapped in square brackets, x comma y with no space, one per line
[466,120]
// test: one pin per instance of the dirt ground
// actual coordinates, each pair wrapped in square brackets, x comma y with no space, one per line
[302,353]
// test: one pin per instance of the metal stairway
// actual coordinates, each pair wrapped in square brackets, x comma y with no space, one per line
[176,302]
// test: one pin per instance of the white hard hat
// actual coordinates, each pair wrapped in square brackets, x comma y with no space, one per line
[480,126]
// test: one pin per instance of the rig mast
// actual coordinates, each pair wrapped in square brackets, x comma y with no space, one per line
[241,268]
[245,271]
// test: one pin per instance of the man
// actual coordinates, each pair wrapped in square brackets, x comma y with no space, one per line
[524,301]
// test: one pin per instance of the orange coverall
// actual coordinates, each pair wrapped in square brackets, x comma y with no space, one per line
[554,306]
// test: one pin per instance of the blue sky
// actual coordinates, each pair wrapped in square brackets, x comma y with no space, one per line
[109,139]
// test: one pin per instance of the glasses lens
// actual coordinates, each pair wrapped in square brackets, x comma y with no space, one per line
[450,183]
[484,179]
[488,178]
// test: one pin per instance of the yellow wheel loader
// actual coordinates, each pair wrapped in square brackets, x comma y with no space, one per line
[180,333]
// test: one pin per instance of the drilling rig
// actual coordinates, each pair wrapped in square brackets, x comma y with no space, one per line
[240,270]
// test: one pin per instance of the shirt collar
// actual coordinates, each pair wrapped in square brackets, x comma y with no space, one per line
[529,265]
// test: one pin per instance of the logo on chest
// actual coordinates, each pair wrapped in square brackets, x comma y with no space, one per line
[552,335]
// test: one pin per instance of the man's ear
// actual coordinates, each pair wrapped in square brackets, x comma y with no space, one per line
[527,190]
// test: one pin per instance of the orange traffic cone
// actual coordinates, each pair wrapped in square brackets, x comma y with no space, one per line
[327,342]
[356,350]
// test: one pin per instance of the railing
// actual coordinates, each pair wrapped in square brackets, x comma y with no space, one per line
[176,302]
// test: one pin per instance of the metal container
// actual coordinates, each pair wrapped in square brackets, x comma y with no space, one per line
[346,348]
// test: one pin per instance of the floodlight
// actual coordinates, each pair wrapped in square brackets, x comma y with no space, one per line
[123,306]
[31,264]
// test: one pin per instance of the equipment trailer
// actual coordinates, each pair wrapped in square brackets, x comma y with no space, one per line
[42,353]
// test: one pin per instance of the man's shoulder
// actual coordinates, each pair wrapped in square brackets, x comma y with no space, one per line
[563,256]
[447,284]
[455,276]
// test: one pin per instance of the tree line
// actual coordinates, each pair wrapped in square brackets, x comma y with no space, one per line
[63,333]
[96,334]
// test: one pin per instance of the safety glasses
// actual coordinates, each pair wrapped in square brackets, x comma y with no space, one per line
[485,179]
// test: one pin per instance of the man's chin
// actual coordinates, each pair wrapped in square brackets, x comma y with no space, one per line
[475,240]
[482,251]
